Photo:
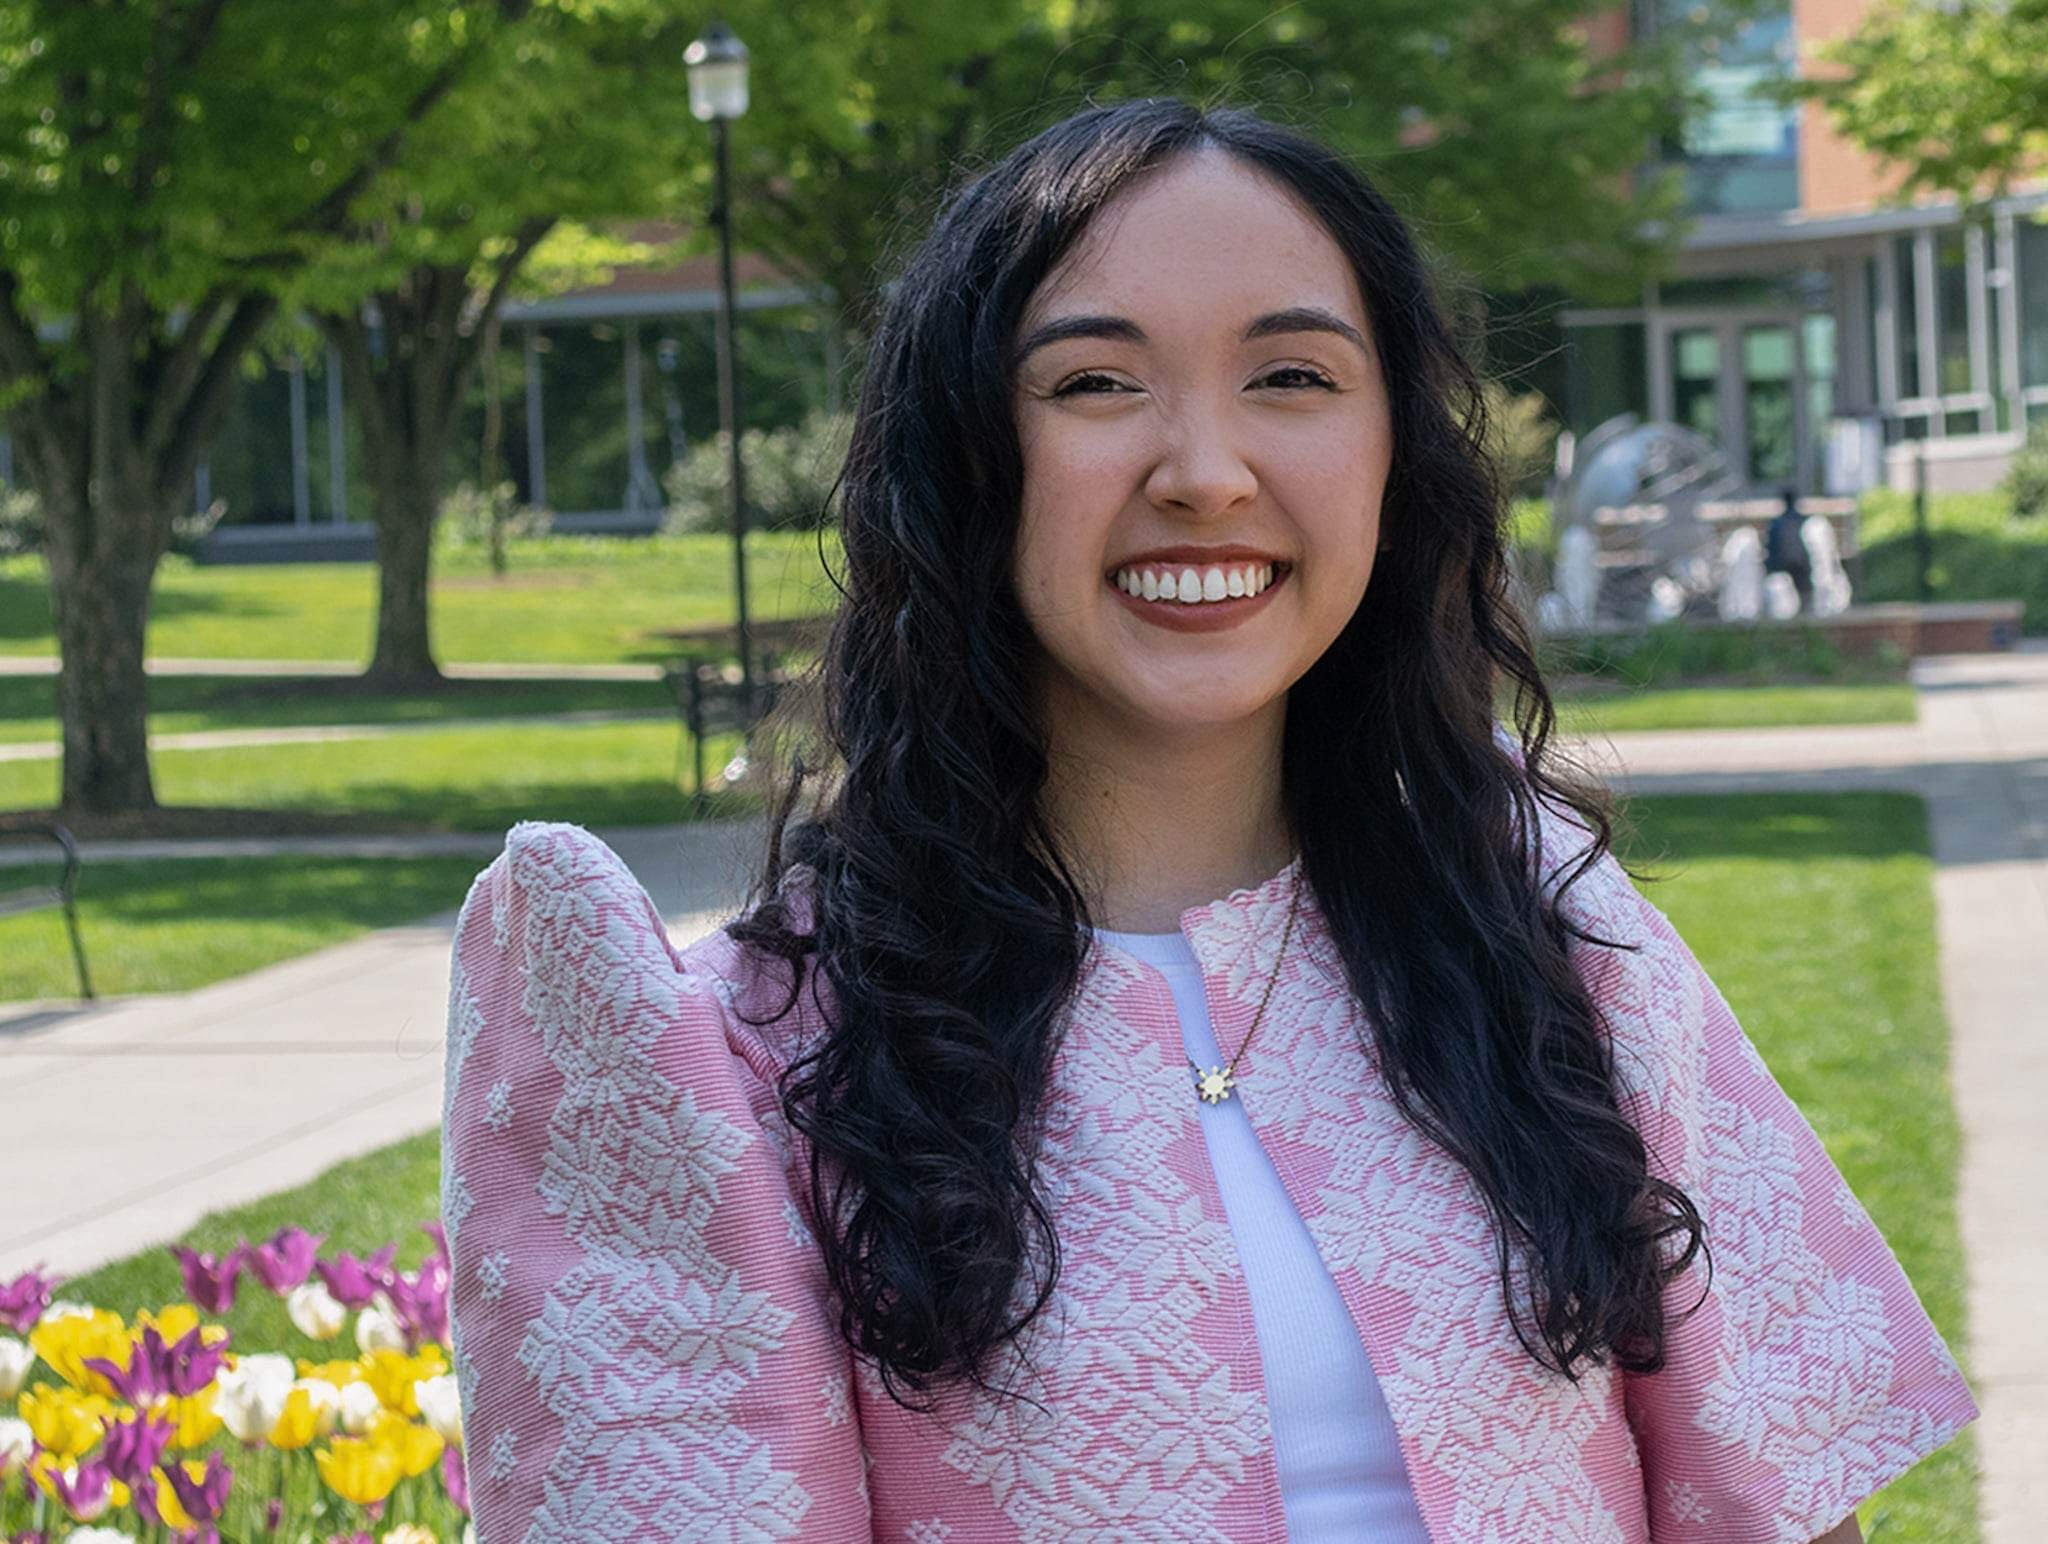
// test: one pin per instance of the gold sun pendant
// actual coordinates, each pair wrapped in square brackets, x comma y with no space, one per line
[1215,1085]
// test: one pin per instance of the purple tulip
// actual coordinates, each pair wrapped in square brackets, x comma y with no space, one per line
[284,1262]
[273,1514]
[203,1498]
[86,1491]
[134,1447]
[354,1282]
[439,1235]
[23,1299]
[155,1367]
[420,1301]
[210,1283]
[455,1475]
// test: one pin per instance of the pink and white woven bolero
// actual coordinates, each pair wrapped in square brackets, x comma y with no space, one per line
[646,1349]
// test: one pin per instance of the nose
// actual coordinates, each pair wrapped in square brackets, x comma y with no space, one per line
[1199,469]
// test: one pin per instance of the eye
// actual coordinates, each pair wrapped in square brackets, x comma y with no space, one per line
[1304,377]
[1088,383]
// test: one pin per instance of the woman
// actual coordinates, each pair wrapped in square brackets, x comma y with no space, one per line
[1191,1076]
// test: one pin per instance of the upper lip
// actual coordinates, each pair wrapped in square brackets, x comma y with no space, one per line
[1197,557]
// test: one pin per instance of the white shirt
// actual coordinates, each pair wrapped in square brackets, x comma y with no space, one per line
[1341,1474]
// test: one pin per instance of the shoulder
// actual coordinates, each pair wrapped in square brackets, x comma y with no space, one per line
[557,929]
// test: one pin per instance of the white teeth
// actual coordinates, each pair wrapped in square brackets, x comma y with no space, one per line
[1192,587]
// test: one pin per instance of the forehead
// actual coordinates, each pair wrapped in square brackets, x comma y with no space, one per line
[1207,236]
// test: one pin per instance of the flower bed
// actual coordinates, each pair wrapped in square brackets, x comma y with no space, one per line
[160,1429]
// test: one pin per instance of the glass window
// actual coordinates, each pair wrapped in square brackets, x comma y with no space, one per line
[1906,320]
[1767,402]
[1741,151]
[1696,380]
[2031,238]
[249,462]
[583,393]
[1607,374]
[1818,340]
[1952,315]
[508,378]
[1962,423]
[1871,298]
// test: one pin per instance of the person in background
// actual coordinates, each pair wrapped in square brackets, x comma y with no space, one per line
[1785,547]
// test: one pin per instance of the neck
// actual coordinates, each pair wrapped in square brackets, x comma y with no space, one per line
[1153,822]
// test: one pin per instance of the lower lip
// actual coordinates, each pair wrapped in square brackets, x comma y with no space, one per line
[1204,617]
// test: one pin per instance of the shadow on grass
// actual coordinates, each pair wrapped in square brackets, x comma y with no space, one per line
[1661,833]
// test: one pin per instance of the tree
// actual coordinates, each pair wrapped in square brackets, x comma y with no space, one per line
[1518,149]
[155,211]
[582,115]
[1955,94]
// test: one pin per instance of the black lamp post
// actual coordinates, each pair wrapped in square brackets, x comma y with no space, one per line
[717,64]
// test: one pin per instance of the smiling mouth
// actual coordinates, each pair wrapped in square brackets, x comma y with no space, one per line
[1192,585]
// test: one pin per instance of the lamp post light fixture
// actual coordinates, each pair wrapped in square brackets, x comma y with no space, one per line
[717,64]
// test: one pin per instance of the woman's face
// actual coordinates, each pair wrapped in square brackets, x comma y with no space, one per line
[1201,413]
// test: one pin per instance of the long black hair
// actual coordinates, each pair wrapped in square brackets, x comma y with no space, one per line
[950,931]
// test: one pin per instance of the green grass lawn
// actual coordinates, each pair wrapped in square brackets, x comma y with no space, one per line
[172,926]
[1815,916]
[1737,707]
[566,599]
[477,778]
[1813,913]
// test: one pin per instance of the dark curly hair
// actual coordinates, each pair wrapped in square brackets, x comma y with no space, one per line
[950,930]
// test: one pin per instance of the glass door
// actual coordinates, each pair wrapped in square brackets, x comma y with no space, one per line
[1770,430]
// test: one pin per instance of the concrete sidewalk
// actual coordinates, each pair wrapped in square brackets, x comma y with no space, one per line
[117,1134]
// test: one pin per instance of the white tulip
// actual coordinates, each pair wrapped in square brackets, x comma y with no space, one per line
[469,1533]
[441,1406]
[17,1443]
[359,1408]
[66,1310]
[98,1536]
[377,1330]
[325,1399]
[15,1360]
[251,1395]
[318,1314]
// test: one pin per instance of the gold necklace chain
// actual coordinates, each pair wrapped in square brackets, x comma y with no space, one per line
[1214,1085]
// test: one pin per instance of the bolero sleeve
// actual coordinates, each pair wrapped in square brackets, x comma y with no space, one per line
[641,1332]
[1809,1376]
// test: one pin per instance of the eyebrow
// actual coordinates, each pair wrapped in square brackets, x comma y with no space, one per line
[1123,330]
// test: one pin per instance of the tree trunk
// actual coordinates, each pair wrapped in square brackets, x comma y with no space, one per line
[404,656]
[101,604]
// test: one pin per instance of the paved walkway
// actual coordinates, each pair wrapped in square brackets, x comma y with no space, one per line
[343,1048]
[310,734]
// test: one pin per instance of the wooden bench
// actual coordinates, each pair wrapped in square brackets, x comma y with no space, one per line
[62,893]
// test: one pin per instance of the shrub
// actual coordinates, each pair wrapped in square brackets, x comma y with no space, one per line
[2027,483]
[790,474]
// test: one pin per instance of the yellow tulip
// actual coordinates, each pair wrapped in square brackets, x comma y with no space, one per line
[67,1343]
[357,1470]
[196,1416]
[417,1448]
[340,1374]
[306,1418]
[66,1422]
[392,1374]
